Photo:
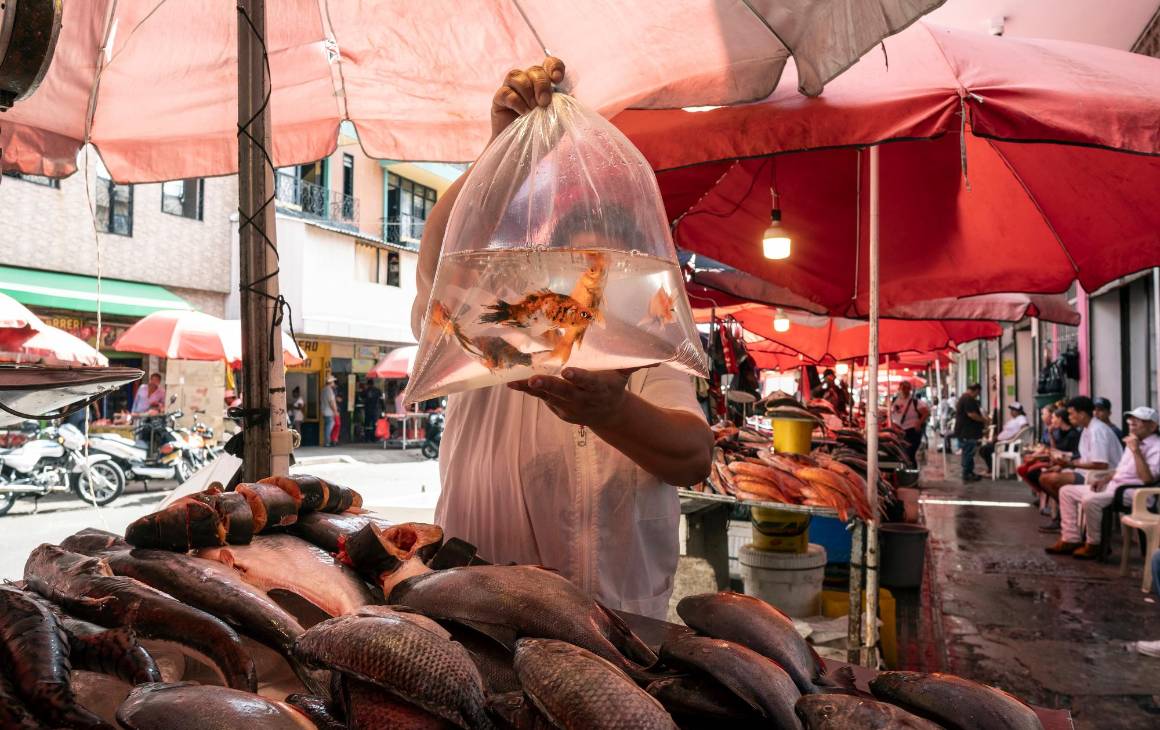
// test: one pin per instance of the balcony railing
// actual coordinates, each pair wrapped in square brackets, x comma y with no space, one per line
[315,201]
[405,229]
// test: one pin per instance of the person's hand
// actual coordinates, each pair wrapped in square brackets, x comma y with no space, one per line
[523,91]
[582,397]
[1100,484]
[1132,443]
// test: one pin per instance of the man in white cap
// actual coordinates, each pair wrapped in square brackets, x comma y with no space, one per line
[1016,422]
[1139,465]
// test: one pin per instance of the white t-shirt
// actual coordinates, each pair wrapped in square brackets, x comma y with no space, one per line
[905,412]
[524,486]
[1012,427]
[1126,470]
[1098,442]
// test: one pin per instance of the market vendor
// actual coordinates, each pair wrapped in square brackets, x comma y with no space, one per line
[569,472]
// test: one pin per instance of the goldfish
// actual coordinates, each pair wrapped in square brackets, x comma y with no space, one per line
[589,289]
[660,309]
[557,310]
[493,353]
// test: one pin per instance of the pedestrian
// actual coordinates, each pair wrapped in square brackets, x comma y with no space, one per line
[331,421]
[909,412]
[946,420]
[569,472]
[372,409]
[297,409]
[831,391]
[1099,449]
[150,398]
[1103,412]
[1016,422]
[969,423]
[1139,465]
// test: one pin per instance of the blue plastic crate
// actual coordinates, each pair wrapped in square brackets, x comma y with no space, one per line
[831,533]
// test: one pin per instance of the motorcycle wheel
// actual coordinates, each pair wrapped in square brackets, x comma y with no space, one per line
[101,494]
[430,451]
[6,502]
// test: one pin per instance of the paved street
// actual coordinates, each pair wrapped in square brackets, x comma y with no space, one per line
[400,486]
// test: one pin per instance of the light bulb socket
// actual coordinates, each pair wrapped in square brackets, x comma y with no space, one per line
[775,215]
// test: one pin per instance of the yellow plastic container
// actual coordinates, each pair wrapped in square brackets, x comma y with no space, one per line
[792,435]
[837,603]
[780,531]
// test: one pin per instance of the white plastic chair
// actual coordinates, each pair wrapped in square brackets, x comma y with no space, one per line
[1148,523]
[1008,451]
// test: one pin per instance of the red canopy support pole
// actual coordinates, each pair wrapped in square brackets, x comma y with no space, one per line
[870,616]
[267,440]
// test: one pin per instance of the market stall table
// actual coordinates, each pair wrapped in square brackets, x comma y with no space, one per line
[403,419]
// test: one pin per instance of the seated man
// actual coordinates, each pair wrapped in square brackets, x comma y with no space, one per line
[1103,412]
[1060,437]
[1139,465]
[1016,422]
[1098,451]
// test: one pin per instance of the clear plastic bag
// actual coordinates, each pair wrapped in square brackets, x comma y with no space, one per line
[557,253]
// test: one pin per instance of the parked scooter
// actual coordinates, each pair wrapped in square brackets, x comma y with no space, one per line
[54,461]
[158,450]
[434,435]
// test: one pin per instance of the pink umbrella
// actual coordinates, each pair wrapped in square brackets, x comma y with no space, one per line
[17,324]
[415,78]
[55,346]
[186,335]
[1062,161]
[395,364]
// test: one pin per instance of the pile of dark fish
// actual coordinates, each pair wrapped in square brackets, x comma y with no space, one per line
[339,620]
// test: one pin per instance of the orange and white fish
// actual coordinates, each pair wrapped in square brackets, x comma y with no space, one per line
[494,353]
[660,309]
[555,310]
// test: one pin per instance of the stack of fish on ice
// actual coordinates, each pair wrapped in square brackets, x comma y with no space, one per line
[275,617]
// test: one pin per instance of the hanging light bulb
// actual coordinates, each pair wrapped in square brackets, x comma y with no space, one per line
[780,321]
[776,242]
[842,368]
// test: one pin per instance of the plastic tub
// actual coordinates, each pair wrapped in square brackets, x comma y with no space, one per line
[792,582]
[792,435]
[779,530]
[903,554]
[831,533]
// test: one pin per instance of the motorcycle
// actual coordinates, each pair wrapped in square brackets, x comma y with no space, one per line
[157,451]
[54,461]
[434,431]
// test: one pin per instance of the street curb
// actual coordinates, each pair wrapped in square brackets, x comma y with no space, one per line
[337,459]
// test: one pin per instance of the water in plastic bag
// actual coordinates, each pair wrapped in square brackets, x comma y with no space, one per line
[557,253]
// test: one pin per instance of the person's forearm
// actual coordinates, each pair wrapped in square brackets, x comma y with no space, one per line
[1142,469]
[977,417]
[430,247]
[1092,465]
[674,446]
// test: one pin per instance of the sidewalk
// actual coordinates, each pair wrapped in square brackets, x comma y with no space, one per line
[997,609]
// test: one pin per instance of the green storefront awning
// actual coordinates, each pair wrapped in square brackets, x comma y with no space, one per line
[56,290]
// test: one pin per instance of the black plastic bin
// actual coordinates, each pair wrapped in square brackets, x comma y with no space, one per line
[903,554]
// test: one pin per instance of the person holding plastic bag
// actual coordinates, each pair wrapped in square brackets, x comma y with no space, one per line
[569,472]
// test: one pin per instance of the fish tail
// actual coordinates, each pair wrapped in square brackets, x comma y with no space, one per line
[501,311]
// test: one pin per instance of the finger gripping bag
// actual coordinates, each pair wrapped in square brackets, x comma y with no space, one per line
[557,252]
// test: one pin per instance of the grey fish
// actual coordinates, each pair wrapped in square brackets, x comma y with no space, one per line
[528,602]
[91,541]
[189,706]
[757,680]
[493,659]
[318,710]
[700,700]
[755,624]
[114,652]
[324,529]
[404,657]
[86,587]
[851,712]
[955,702]
[516,711]
[369,707]
[578,690]
[284,562]
[36,653]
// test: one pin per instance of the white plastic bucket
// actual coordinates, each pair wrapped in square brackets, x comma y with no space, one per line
[791,582]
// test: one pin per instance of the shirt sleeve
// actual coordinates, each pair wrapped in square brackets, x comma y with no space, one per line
[667,387]
[1108,450]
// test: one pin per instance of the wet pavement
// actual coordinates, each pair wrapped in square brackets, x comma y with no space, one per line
[1052,630]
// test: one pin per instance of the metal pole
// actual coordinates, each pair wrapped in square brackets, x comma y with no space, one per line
[267,440]
[870,617]
[1155,333]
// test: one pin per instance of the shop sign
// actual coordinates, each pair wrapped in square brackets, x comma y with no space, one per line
[342,349]
[315,353]
[362,365]
[87,329]
[370,352]
[1008,367]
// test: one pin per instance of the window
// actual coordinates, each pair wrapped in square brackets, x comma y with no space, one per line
[113,204]
[304,188]
[389,267]
[347,204]
[47,182]
[408,204]
[376,265]
[183,198]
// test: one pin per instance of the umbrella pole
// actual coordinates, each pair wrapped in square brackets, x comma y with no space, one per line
[870,617]
[267,440]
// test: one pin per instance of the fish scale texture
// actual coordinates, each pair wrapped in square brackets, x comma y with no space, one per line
[578,689]
[414,663]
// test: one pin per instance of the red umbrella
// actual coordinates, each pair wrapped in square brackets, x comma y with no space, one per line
[1078,204]
[831,339]
[17,324]
[186,335]
[52,345]
[395,364]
